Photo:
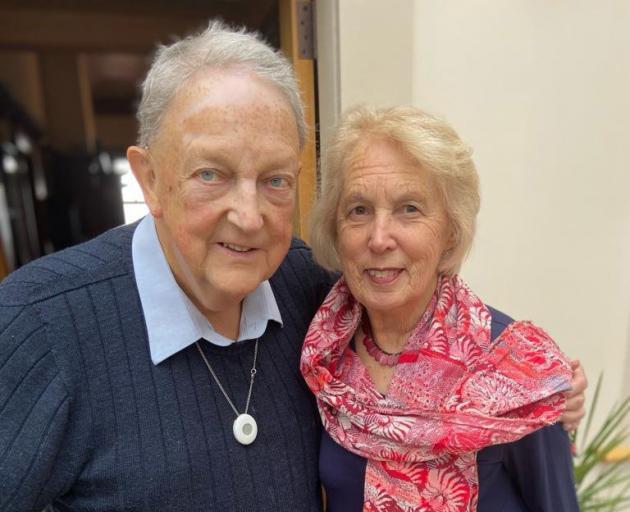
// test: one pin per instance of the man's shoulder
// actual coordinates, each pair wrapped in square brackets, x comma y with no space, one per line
[102,257]
[299,259]
[298,244]
[300,271]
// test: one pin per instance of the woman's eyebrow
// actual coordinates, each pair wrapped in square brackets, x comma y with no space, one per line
[353,196]
[420,196]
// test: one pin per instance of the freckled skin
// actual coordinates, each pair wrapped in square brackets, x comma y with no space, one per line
[390,217]
[225,164]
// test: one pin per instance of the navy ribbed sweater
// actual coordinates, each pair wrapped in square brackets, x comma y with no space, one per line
[87,422]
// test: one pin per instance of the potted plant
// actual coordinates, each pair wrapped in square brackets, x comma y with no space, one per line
[602,481]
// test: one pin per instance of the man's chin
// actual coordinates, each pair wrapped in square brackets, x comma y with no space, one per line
[234,290]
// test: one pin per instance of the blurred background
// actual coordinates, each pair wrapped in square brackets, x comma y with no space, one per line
[538,88]
[69,77]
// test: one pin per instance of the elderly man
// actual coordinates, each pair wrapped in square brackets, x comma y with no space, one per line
[122,388]
[156,366]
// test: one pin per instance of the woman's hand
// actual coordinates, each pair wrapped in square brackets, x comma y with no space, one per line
[574,411]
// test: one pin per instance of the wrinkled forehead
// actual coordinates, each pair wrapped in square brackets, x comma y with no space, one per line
[378,155]
[225,90]
[381,167]
[228,104]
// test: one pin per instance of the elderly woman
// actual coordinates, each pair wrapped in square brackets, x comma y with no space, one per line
[413,373]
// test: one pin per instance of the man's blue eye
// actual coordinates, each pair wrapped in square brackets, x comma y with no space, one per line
[208,175]
[277,182]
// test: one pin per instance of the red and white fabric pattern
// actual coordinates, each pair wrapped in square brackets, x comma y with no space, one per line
[453,392]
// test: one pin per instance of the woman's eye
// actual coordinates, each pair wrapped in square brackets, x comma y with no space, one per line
[359,210]
[209,175]
[409,208]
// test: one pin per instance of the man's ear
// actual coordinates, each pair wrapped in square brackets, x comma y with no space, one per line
[144,172]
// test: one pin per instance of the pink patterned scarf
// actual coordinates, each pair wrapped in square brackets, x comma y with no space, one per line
[453,392]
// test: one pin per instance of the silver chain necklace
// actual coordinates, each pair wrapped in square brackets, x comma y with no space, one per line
[244,427]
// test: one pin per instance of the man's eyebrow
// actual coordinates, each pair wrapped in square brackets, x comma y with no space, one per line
[204,149]
[280,160]
[199,154]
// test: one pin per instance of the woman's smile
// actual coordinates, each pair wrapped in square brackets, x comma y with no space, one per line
[383,275]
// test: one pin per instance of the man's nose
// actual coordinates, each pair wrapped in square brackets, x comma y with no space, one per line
[245,212]
[381,237]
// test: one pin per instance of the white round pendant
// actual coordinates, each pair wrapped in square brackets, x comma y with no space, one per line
[245,429]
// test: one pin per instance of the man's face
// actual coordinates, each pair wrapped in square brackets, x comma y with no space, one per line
[225,164]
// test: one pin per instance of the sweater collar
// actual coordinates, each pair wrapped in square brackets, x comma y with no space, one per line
[173,321]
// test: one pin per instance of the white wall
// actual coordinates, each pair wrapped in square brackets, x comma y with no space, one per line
[541,90]
[364,54]
[375,51]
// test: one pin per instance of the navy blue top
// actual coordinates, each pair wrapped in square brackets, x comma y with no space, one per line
[533,474]
[89,423]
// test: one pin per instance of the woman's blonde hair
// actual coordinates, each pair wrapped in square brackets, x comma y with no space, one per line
[428,140]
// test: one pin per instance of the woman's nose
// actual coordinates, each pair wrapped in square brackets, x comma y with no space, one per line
[381,236]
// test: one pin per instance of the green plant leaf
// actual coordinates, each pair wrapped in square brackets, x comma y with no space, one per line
[603,486]
[591,413]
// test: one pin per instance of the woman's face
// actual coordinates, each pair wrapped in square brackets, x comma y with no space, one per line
[392,230]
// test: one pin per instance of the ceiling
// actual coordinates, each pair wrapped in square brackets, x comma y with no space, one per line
[117,37]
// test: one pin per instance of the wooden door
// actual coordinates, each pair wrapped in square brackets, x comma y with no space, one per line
[296,41]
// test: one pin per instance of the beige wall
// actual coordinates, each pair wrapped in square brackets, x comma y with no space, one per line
[365,54]
[540,90]
[375,51]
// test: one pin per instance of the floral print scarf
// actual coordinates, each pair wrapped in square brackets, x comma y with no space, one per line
[453,392]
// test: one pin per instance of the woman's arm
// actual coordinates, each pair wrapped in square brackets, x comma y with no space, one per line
[574,411]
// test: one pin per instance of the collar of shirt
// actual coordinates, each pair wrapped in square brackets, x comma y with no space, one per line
[173,321]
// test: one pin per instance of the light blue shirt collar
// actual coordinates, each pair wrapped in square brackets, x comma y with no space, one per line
[173,321]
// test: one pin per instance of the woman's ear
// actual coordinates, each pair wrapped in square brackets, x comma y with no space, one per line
[449,248]
[453,240]
[143,170]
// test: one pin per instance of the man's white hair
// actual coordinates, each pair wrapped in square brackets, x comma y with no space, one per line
[217,47]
